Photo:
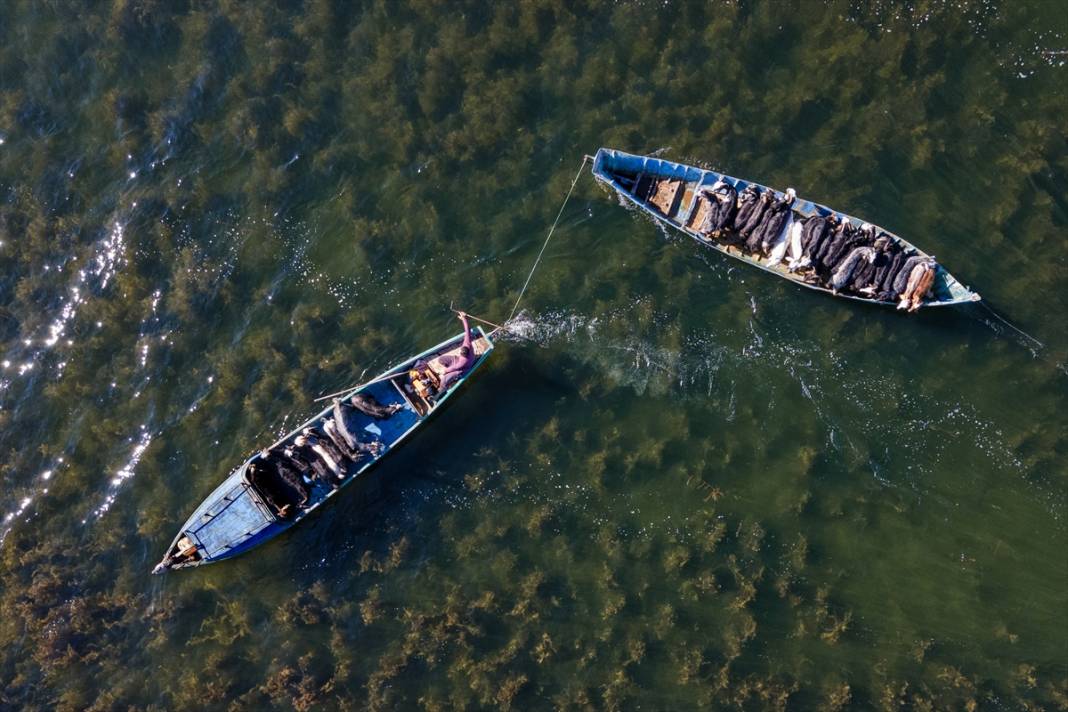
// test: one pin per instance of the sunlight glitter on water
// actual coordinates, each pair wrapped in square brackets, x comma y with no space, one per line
[111,257]
[108,259]
[12,517]
[144,439]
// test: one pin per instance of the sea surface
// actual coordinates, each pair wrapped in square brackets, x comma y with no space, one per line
[679,483]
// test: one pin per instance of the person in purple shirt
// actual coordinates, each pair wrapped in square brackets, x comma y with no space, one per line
[456,365]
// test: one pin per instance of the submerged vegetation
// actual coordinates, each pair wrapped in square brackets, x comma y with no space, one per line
[683,486]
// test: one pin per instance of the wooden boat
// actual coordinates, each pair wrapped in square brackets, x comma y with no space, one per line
[243,512]
[669,192]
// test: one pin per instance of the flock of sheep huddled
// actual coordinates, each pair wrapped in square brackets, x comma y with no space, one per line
[825,249]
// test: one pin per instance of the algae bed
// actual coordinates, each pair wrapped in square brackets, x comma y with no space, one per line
[682,484]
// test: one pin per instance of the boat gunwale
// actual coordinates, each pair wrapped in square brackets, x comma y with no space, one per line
[602,175]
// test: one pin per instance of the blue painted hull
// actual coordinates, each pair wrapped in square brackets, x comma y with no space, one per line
[608,164]
[235,518]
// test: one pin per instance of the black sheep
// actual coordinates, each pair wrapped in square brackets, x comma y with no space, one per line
[774,219]
[748,201]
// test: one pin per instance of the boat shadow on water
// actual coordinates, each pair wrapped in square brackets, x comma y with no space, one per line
[422,481]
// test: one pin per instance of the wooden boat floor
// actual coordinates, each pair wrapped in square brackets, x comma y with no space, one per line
[232,517]
[391,428]
[642,186]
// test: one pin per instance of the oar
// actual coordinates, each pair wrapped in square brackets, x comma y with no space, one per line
[483,321]
[394,375]
[385,377]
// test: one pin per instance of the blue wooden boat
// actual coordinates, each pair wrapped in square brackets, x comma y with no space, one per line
[239,514]
[630,176]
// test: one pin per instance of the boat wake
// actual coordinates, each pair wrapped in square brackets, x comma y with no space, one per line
[859,407]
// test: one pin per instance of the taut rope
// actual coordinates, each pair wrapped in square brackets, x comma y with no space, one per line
[1007,323]
[497,327]
[547,238]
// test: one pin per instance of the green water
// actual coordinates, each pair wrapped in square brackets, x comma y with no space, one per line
[684,484]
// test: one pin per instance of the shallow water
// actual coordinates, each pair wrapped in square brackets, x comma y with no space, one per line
[680,482]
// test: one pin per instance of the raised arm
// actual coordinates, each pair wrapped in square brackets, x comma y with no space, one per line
[456,365]
[467,330]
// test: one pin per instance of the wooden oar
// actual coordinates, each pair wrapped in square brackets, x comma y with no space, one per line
[385,377]
[483,321]
[394,375]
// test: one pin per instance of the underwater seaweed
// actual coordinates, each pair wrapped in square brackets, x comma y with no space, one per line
[679,485]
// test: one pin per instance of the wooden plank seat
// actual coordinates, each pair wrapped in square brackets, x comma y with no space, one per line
[404,387]
[666,196]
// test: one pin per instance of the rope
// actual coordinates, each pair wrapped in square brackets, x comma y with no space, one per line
[384,377]
[1004,321]
[522,291]
[496,327]
[547,238]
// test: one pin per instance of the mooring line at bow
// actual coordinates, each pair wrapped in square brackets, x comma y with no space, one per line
[496,327]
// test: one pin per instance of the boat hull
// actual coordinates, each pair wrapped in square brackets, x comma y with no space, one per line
[235,517]
[608,164]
